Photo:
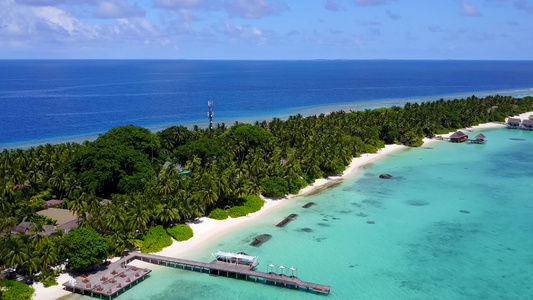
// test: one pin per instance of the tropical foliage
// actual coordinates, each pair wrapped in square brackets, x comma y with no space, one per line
[125,167]
[218,214]
[14,290]
[155,240]
[83,248]
[180,232]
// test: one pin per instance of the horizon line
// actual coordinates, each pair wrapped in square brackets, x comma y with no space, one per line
[226,59]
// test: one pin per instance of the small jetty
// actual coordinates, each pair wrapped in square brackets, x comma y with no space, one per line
[480,139]
[287,220]
[260,239]
[118,275]
[307,205]
[108,282]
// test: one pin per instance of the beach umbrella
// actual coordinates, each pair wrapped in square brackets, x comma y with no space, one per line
[271,266]
[292,270]
[281,269]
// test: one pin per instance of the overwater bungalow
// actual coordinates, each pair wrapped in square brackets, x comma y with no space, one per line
[527,124]
[458,137]
[480,139]
[513,123]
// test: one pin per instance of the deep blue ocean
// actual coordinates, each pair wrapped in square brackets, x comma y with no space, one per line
[62,100]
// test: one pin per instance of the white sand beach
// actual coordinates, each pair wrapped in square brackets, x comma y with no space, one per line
[206,229]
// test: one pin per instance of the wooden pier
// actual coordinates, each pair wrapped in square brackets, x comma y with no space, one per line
[107,282]
[110,287]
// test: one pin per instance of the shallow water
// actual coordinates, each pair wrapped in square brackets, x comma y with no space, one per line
[454,223]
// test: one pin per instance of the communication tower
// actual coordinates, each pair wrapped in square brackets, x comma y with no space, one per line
[210,115]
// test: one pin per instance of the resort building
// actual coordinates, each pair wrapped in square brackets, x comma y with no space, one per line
[513,123]
[65,219]
[23,227]
[458,137]
[527,124]
[53,203]
[480,139]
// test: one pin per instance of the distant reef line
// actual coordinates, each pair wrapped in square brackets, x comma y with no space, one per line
[305,111]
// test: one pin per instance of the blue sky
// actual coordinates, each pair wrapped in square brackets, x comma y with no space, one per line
[267,29]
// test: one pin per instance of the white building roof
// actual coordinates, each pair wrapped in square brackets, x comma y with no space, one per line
[234,255]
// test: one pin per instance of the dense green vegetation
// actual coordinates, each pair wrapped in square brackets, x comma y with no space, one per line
[251,203]
[48,277]
[14,290]
[218,214]
[180,232]
[155,240]
[248,204]
[125,166]
[83,248]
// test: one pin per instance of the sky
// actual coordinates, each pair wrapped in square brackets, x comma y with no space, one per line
[266,29]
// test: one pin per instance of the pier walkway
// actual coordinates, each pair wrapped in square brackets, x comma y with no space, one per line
[115,280]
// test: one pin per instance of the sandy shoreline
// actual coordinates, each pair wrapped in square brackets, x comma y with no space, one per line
[206,229]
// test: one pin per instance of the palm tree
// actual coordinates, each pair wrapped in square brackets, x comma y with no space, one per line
[48,254]
[114,219]
[14,252]
[167,214]
[138,216]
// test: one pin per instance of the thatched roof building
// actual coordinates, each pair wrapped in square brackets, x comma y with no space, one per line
[23,227]
[53,202]
[527,124]
[458,137]
[513,122]
[61,216]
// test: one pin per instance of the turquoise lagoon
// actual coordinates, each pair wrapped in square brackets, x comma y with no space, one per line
[456,222]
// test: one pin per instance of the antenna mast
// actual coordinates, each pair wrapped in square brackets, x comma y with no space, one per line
[210,115]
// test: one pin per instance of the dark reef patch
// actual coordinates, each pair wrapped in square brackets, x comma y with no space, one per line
[309,204]
[375,203]
[320,189]
[288,219]
[260,239]
[417,202]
